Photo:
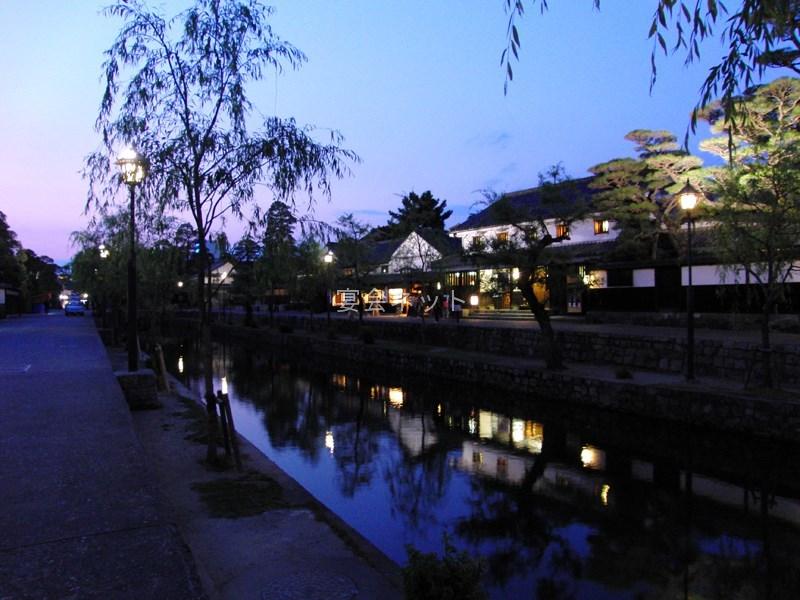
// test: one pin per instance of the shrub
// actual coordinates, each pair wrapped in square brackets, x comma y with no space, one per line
[455,576]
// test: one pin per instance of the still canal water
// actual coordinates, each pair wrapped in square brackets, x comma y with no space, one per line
[558,502]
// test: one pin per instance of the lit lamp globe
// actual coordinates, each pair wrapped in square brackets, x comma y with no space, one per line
[131,166]
[688,197]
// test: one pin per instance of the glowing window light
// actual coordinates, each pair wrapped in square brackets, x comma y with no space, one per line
[396,397]
[474,300]
[180,364]
[329,443]
[593,458]
[514,274]
[224,385]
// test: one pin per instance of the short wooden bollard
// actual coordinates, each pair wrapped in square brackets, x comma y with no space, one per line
[228,428]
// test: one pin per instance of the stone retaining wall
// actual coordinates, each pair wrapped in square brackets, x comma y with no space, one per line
[725,411]
[738,361]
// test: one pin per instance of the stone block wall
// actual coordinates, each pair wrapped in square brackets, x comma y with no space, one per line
[714,409]
[736,361]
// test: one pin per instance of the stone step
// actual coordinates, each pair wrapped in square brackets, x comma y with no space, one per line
[502,315]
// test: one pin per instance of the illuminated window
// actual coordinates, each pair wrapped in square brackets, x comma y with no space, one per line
[477,458]
[562,229]
[600,226]
[502,237]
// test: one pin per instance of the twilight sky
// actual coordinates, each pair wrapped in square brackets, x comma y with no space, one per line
[416,88]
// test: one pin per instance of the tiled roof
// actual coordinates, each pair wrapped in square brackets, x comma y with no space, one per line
[531,203]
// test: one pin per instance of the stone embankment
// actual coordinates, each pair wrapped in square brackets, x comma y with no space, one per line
[479,355]
[731,359]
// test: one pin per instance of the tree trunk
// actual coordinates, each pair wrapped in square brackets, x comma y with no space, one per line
[207,352]
[552,351]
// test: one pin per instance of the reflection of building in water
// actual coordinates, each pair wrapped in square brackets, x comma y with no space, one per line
[565,482]
[722,492]
[494,462]
[521,434]
[416,433]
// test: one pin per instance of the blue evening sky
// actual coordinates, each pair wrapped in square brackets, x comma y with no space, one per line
[416,88]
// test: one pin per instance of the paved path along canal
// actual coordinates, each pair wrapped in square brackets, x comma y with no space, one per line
[98,503]
[80,516]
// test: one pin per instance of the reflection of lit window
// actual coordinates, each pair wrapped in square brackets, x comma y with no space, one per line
[180,364]
[485,421]
[329,441]
[517,431]
[472,425]
[593,458]
[439,409]
[502,466]
[396,397]
[338,380]
[604,494]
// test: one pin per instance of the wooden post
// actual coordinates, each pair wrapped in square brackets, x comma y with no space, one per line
[222,400]
[226,407]
[162,367]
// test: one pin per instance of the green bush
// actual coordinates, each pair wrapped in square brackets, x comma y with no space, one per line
[455,576]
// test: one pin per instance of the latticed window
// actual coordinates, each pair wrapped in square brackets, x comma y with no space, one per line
[562,230]
[600,226]
[502,237]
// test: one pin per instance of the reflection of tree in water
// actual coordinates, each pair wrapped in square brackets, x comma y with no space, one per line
[356,446]
[292,406]
[520,530]
[418,483]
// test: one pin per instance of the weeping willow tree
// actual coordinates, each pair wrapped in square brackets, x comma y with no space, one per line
[177,90]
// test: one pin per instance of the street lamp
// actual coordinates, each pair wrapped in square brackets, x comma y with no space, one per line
[688,197]
[132,168]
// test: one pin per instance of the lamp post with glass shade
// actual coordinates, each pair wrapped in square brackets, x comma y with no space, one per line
[327,259]
[132,168]
[688,197]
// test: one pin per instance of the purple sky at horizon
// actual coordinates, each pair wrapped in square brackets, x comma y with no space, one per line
[416,88]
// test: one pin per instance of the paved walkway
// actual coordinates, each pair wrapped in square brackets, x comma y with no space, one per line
[90,510]
[80,516]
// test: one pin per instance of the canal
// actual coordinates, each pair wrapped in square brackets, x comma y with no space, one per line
[557,502]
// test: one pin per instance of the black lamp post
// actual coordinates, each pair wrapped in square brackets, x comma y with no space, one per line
[103,251]
[688,197]
[132,168]
[328,260]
